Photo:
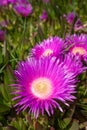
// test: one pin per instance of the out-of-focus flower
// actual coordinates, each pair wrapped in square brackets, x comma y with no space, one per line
[73,63]
[2,35]
[12,1]
[78,25]
[23,8]
[3,2]
[6,2]
[42,83]
[52,46]
[70,17]
[78,45]
[44,15]
[45,1]
[4,23]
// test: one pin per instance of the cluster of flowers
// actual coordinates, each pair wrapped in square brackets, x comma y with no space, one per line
[22,7]
[73,18]
[48,77]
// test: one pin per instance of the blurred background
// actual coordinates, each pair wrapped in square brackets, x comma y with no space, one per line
[23,24]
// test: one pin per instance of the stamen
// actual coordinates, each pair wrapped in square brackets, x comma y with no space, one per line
[41,88]
[47,52]
[79,50]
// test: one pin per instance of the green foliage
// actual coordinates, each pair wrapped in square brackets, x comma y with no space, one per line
[22,33]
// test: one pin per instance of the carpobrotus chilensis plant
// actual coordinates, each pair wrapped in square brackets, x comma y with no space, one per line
[43,65]
[47,80]
[78,45]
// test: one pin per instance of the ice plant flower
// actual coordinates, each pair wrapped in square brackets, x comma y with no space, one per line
[70,17]
[3,2]
[51,46]
[4,23]
[2,35]
[73,63]
[44,15]
[23,8]
[78,25]
[41,84]
[12,1]
[6,2]
[78,45]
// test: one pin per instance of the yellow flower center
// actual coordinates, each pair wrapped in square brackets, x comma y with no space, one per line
[41,88]
[47,52]
[79,50]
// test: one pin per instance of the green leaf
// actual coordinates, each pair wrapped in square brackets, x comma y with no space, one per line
[6,89]
[4,92]
[64,123]
[75,125]
[19,123]
[9,128]
[3,108]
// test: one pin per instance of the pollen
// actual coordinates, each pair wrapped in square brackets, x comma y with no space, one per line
[41,88]
[79,50]
[47,52]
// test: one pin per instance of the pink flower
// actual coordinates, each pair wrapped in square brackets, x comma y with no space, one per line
[52,46]
[23,8]
[44,15]
[42,84]
[78,45]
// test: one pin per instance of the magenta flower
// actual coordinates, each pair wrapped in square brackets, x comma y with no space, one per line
[4,23]
[44,15]
[78,25]
[51,46]
[3,2]
[23,7]
[12,1]
[78,45]
[70,17]
[41,84]
[2,35]
[6,2]
[74,65]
